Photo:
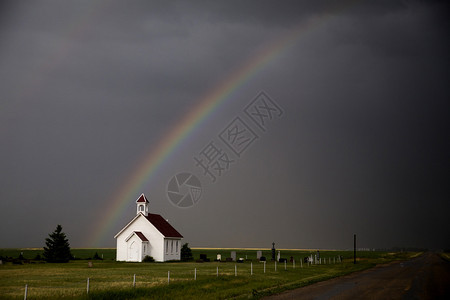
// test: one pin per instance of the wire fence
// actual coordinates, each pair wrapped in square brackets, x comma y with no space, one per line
[79,287]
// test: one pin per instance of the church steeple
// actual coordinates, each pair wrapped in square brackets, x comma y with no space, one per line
[142,205]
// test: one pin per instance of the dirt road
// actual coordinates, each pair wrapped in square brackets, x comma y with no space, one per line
[425,277]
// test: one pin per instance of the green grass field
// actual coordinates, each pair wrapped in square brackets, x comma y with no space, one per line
[109,279]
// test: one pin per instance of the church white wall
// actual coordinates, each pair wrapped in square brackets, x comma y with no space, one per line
[155,244]
[172,249]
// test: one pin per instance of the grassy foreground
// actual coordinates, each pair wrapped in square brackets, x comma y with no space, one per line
[109,279]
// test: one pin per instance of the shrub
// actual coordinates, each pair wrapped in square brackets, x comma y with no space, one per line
[186,252]
[37,257]
[148,258]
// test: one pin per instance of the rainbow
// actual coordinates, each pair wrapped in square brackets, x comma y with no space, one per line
[207,105]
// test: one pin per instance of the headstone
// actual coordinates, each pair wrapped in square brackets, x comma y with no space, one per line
[273,251]
[258,254]
[219,257]
[278,256]
[233,255]
[90,264]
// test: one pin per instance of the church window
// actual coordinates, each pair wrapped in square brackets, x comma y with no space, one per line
[141,207]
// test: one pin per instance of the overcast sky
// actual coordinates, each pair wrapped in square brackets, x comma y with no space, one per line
[88,89]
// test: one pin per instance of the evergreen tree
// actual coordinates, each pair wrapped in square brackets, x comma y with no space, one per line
[186,252]
[57,248]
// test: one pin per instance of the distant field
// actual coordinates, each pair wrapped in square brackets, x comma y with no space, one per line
[111,279]
[79,253]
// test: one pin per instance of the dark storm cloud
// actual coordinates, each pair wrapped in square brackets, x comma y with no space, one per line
[89,88]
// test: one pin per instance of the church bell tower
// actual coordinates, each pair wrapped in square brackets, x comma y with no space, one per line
[142,205]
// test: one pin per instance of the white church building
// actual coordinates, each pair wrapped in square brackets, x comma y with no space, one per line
[148,234]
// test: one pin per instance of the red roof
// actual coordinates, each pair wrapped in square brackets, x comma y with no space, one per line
[163,226]
[142,198]
[141,236]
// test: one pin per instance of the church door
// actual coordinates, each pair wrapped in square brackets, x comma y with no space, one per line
[133,252]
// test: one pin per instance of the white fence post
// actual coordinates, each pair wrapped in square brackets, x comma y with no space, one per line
[26,291]
[251,268]
[87,286]
[168,277]
[134,280]
[293,264]
[235,270]
[195,274]
[217,272]
[264,267]
[285,265]
[275,266]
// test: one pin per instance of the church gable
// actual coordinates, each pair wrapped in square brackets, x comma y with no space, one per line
[139,234]
[158,222]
